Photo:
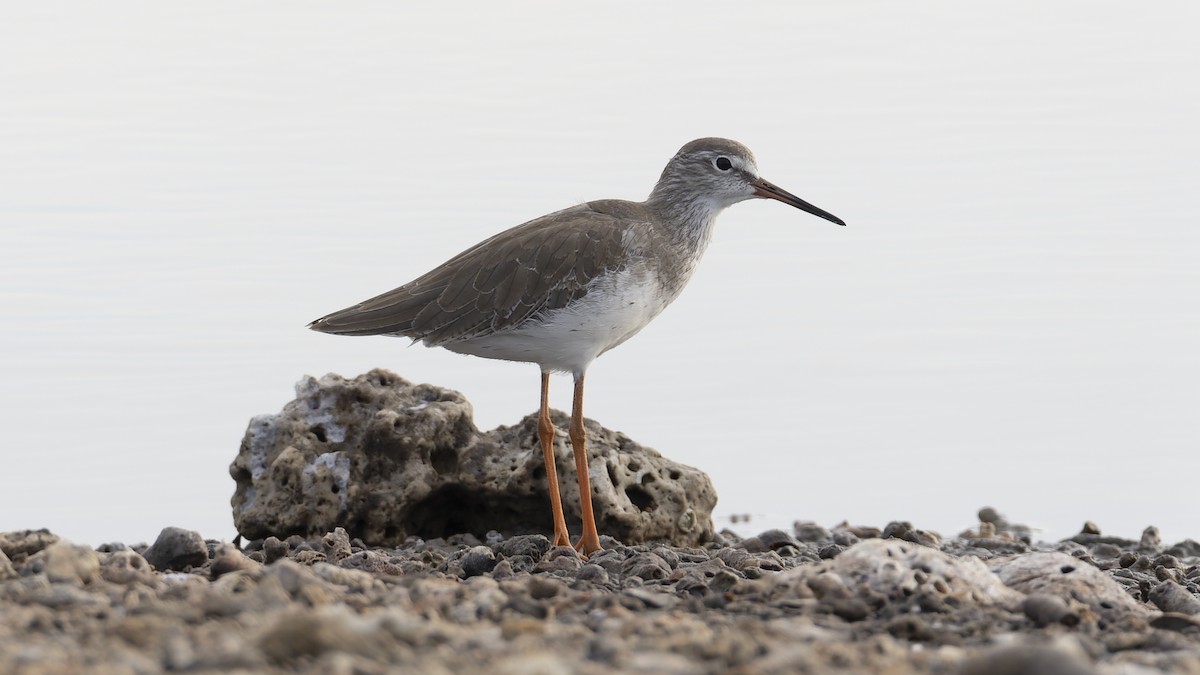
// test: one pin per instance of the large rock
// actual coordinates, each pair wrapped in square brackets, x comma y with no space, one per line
[386,459]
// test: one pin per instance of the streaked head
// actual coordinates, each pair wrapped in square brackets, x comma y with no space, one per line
[720,173]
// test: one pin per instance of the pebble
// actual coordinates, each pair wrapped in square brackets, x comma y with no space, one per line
[64,562]
[1172,597]
[336,544]
[1150,540]
[1044,610]
[477,560]
[126,567]
[177,549]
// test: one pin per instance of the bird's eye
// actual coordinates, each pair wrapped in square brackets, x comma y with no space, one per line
[723,163]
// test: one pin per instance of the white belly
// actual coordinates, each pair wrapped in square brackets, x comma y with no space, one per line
[617,306]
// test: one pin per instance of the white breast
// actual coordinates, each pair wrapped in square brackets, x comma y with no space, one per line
[616,307]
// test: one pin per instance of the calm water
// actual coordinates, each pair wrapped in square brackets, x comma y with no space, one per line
[1011,318]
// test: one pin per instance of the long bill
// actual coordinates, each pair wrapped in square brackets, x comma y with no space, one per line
[768,190]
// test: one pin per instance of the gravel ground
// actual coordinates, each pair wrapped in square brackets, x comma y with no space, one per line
[813,600]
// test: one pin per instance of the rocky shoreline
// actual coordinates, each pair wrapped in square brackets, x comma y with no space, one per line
[382,532]
[813,600]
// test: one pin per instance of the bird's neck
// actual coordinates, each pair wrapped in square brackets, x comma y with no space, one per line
[686,223]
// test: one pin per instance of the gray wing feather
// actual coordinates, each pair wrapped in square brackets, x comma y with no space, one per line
[541,265]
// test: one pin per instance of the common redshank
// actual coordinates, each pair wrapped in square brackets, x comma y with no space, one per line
[562,289]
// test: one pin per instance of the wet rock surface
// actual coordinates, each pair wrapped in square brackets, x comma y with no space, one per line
[815,600]
[386,459]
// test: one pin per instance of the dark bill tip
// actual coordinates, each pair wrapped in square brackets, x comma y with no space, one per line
[768,190]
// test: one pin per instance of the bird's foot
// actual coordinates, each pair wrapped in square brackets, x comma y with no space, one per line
[588,544]
[561,538]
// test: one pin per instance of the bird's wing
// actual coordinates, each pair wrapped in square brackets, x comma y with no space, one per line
[532,268]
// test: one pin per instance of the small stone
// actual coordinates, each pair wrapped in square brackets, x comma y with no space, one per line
[724,581]
[1026,659]
[922,537]
[1150,540]
[667,555]
[1187,548]
[593,573]
[1088,528]
[647,566]
[177,549]
[566,564]
[1044,609]
[989,515]
[542,588]
[1127,559]
[336,544]
[652,599]
[477,560]
[1171,597]
[850,609]
[64,562]
[828,585]
[19,545]
[830,551]
[1177,622]
[274,549]
[808,531]
[845,538]
[126,567]
[774,540]
[896,529]
[502,570]
[306,634]
[532,545]
[1167,560]
[228,558]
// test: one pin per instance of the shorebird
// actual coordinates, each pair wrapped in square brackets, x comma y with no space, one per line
[561,290]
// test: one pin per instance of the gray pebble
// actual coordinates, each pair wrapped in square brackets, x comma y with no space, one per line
[1150,540]
[830,551]
[532,545]
[1171,597]
[647,566]
[477,560]
[593,573]
[177,549]
[273,549]
[808,531]
[1026,659]
[1045,610]
[1167,560]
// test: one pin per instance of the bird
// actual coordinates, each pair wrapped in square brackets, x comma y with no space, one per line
[560,290]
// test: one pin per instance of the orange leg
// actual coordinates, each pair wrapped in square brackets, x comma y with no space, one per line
[590,541]
[546,437]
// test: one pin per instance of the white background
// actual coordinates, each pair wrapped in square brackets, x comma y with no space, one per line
[1012,317]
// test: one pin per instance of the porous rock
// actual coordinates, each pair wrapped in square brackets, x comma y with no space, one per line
[1059,574]
[20,544]
[126,567]
[895,569]
[387,459]
[64,562]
